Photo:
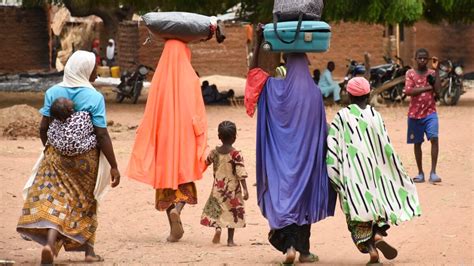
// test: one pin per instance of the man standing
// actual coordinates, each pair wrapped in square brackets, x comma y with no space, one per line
[327,85]
[420,84]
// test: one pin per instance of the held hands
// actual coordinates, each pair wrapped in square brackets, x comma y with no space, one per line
[259,32]
[114,177]
[246,194]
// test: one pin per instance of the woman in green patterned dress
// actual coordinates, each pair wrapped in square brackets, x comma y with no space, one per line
[374,189]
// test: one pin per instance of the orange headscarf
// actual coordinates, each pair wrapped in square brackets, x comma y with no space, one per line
[171,140]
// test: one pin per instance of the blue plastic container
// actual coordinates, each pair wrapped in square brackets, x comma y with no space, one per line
[313,36]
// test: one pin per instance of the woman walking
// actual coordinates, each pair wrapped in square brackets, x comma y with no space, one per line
[169,150]
[293,189]
[60,208]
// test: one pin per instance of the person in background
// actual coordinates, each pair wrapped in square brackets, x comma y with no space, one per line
[316,76]
[327,84]
[421,85]
[110,53]
[96,50]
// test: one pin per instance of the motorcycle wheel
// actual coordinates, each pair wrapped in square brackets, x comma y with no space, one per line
[136,93]
[397,94]
[119,98]
[453,97]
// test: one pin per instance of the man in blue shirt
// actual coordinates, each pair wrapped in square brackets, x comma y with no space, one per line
[327,85]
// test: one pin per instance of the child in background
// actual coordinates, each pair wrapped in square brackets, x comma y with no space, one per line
[225,206]
[421,85]
[71,133]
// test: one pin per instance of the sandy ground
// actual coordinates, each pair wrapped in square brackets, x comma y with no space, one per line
[131,231]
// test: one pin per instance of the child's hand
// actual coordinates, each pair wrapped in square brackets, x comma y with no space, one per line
[246,194]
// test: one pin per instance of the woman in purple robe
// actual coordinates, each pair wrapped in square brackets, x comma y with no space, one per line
[293,188]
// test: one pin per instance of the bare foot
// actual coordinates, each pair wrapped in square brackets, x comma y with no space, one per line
[47,255]
[217,236]
[290,256]
[231,243]
[374,255]
[176,226]
[171,238]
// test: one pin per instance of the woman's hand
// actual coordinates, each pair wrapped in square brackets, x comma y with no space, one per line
[114,177]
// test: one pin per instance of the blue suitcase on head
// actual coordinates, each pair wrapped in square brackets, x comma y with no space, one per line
[297,36]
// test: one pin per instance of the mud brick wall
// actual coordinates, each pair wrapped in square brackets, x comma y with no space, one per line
[350,40]
[127,45]
[208,58]
[25,39]
[446,41]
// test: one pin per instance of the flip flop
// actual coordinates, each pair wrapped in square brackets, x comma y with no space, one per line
[388,251]
[95,258]
[434,178]
[290,258]
[419,178]
[309,259]
[177,230]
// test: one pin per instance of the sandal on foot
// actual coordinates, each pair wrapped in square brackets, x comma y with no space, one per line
[419,178]
[176,226]
[95,258]
[434,178]
[308,258]
[290,256]
[388,251]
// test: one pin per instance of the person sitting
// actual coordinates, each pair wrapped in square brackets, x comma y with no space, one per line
[211,94]
[316,76]
[327,85]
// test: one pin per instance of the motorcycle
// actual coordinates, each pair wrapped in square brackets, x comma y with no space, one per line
[389,80]
[451,82]
[131,84]
[354,69]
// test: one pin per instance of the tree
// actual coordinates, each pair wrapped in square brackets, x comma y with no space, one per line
[378,11]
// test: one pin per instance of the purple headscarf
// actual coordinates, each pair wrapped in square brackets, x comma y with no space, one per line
[292,181]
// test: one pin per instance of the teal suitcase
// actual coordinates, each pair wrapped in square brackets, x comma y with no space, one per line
[297,36]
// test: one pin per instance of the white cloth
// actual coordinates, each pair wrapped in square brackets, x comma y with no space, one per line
[110,51]
[78,70]
[102,181]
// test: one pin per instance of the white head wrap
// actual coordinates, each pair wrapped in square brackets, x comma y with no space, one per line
[78,70]
[110,51]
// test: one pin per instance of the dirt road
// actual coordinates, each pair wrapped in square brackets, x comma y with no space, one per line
[131,231]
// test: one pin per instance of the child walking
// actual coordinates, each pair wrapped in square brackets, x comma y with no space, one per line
[421,85]
[374,189]
[225,206]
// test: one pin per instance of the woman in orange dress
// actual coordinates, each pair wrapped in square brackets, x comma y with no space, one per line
[170,145]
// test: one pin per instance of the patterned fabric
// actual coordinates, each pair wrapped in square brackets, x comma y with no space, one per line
[361,232]
[62,198]
[225,206]
[290,9]
[73,136]
[365,170]
[164,198]
[423,104]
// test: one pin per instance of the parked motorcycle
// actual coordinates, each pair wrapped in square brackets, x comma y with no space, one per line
[451,82]
[354,69]
[389,79]
[131,84]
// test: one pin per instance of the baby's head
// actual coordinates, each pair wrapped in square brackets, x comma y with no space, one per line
[227,132]
[62,108]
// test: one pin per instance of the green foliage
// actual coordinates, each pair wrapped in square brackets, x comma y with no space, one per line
[369,11]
